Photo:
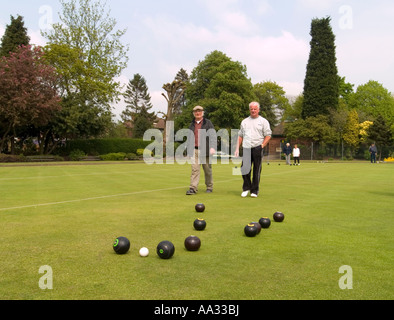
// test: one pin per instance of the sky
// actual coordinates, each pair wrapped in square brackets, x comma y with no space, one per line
[270,37]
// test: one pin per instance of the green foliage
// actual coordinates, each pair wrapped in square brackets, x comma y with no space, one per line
[222,87]
[15,35]
[88,54]
[272,99]
[118,156]
[132,156]
[352,130]
[77,155]
[136,98]
[138,105]
[104,146]
[321,87]
[12,158]
[345,90]
[380,133]
[316,129]
[374,100]
[293,111]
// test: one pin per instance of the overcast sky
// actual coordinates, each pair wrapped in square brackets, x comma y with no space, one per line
[270,37]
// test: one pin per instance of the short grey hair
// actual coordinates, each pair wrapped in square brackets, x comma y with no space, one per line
[253,104]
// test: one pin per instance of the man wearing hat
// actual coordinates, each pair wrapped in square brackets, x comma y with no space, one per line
[201,150]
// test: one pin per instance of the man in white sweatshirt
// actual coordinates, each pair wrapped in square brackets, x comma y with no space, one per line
[254,135]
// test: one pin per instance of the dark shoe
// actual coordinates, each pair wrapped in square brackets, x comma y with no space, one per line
[209,191]
[190,192]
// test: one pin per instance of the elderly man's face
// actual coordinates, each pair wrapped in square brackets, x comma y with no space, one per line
[254,110]
[198,114]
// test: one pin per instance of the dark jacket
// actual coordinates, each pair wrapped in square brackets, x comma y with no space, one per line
[211,137]
[373,149]
[287,150]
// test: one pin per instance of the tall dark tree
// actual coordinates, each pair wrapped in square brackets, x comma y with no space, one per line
[321,86]
[15,35]
[138,105]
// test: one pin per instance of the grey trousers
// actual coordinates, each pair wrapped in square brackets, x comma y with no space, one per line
[195,176]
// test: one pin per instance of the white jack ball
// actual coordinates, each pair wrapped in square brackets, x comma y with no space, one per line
[144,252]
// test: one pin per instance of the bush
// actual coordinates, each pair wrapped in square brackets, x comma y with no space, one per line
[103,146]
[77,155]
[132,156]
[119,156]
[12,158]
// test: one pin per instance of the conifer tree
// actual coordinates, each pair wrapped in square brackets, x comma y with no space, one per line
[15,35]
[138,105]
[321,86]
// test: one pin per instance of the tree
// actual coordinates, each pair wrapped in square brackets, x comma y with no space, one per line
[136,97]
[345,90]
[373,99]
[175,91]
[222,87]
[143,121]
[138,105]
[321,87]
[28,95]
[15,35]
[352,130]
[364,128]
[88,53]
[316,129]
[272,99]
[181,103]
[380,133]
[293,110]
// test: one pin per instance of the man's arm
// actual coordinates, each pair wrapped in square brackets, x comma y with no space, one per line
[239,142]
[266,140]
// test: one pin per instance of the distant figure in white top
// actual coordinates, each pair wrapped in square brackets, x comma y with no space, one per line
[254,135]
[296,155]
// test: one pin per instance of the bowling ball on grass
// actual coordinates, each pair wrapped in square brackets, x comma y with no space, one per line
[165,249]
[121,245]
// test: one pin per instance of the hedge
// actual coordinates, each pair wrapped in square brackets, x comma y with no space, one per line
[95,147]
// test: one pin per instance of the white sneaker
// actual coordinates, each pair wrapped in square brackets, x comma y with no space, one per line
[244,194]
[253,195]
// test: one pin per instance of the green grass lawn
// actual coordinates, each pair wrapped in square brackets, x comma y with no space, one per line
[67,217]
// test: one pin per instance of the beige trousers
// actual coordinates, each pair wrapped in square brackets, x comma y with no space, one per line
[195,177]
